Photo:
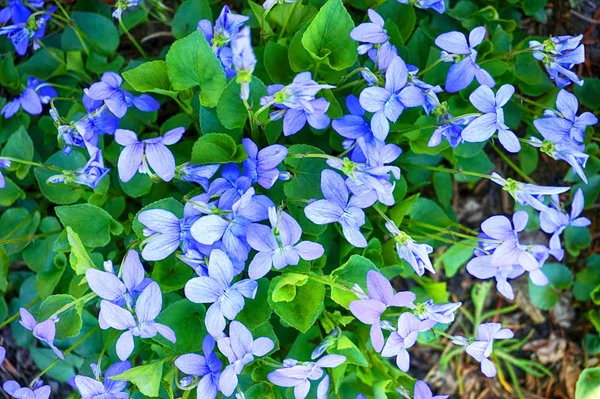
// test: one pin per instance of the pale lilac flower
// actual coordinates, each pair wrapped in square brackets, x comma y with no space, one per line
[4,164]
[138,155]
[422,390]
[527,194]
[230,186]
[355,129]
[299,374]
[438,6]
[482,348]
[166,231]
[326,343]
[261,166]
[147,308]
[18,11]
[560,147]
[405,337]
[243,60]
[465,68]
[239,348]
[387,103]
[428,310]
[492,120]
[199,174]
[90,388]
[567,105]
[39,391]
[122,5]
[559,54]
[278,245]
[208,367]
[31,99]
[226,27]
[482,268]
[21,33]
[417,255]
[336,208]
[91,174]
[381,296]
[370,33]
[227,300]
[2,354]
[44,331]
[98,121]
[116,99]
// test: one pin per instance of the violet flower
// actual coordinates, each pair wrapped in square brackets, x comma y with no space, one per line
[527,194]
[31,99]
[567,105]
[299,374]
[482,348]
[4,164]
[99,120]
[438,6]
[138,155]
[336,208]
[243,60]
[116,99]
[465,68]
[91,174]
[355,129]
[370,33]
[199,174]
[18,11]
[226,27]
[239,348]
[44,331]
[32,29]
[560,147]
[278,245]
[405,337]
[208,367]
[227,300]
[230,186]
[2,354]
[417,255]
[147,308]
[90,388]
[39,391]
[387,103]
[559,54]
[261,166]
[381,296]
[422,390]
[442,313]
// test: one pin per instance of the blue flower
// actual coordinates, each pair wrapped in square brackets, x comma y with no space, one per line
[199,174]
[89,175]
[417,255]
[99,120]
[388,103]
[17,10]
[230,186]
[32,29]
[370,33]
[465,68]
[31,99]
[261,166]
[208,367]
[527,194]
[492,120]
[243,60]
[438,6]
[355,129]
[559,54]
[4,164]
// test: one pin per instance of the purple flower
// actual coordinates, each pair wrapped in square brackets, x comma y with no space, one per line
[230,186]
[99,120]
[559,54]
[299,374]
[381,296]
[4,164]
[138,155]
[451,130]
[527,194]
[492,120]
[483,268]
[31,99]
[278,245]
[230,226]
[2,354]
[199,174]
[208,367]
[116,99]
[389,102]
[430,92]
[422,390]
[91,174]
[417,255]
[227,26]
[90,388]
[120,291]
[44,331]
[20,33]
[336,208]
[567,105]
[438,6]
[370,33]
[261,166]
[147,308]
[481,349]
[243,60]
[122,5]
[560,147]
[239,348]
[18,10]
[461,74]
[39,390]
[227,300]
[439,313]
[405,337]
[355,129]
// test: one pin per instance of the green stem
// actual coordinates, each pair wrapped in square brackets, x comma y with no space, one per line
[69,305]
[318,279]
[539,105]
[105,348]
[308,155]
[31,163]
[65,353]
[71,89]
[454,233]
[442,333]
[29,237]
[510,163]
[447,170]
[132,39]
[433,65]
[263,109]
[18,314]
[347,85]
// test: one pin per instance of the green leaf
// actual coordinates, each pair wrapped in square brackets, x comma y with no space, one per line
[42,65]
[402,16]
[231,110]
[327,38]
[217,148]
[17,223]
[426,211]
[191,62]
[354,271]
[277,63]
[146,378]
[577,239]
[19,146]
[302,312]
[9,76]
[545,297]
[171,274]
[61,371]
[60,193]
[588,384]
[588,93]
[10,193]
[345,347]
[285,289]
[100,30]
[150,77]
[70,322]
[306,173]
[442,183]
[189,13]
[93,224]
[587,279]
[256,311]
[79,259]
[187,321]
[455,257]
